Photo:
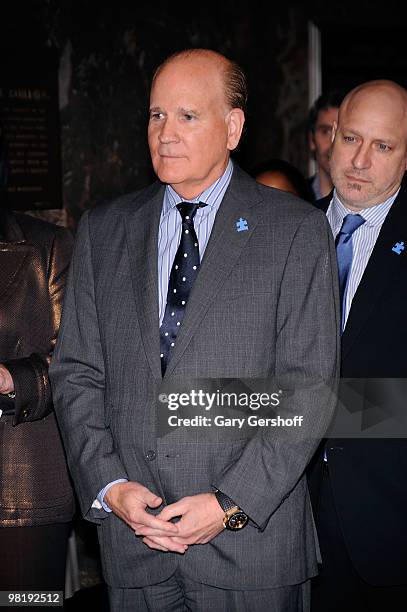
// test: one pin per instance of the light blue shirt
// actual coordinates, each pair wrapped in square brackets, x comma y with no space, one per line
[363,239]
[169,236]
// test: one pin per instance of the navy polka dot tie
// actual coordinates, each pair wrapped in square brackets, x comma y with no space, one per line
[183,274]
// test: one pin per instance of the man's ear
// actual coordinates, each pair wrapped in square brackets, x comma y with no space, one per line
[334,130]
[311,141]
[235,122]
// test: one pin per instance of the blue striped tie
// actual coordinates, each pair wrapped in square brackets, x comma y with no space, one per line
[344,252]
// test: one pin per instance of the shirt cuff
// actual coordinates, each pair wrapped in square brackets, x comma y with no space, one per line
[99,501]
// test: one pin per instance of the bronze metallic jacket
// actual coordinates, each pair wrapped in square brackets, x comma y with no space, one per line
[34,484]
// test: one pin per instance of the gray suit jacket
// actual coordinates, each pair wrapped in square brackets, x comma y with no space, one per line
[264,304]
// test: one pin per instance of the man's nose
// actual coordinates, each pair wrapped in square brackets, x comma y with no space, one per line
[168,132]
[361,159]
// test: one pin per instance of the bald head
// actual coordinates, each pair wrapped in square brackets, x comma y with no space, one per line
[232,76]
[369,151]
[384,96]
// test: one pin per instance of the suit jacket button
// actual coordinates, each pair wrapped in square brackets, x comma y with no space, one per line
[26,413]
[150,455]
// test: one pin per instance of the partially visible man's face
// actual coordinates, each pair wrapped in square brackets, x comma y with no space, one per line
[321,138]
[190,132]
[369,152]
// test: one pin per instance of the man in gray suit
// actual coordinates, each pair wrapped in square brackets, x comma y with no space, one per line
[204,274]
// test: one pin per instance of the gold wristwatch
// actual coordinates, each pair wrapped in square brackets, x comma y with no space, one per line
[234,518]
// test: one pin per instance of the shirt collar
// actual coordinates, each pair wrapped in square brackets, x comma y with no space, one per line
[212,196]
[373,215]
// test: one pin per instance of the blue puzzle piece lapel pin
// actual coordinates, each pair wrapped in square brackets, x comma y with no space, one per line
[242,225]
[398,248]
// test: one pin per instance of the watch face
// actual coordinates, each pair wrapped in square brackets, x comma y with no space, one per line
[237,521]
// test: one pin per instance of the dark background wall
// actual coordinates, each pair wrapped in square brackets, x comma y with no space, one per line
[108,56]
[108,50]
[361,41]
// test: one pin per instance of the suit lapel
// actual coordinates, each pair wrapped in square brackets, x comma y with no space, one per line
[142,239]
[222,252]
[382,269]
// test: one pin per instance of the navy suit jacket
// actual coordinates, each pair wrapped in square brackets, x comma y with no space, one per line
[369,476]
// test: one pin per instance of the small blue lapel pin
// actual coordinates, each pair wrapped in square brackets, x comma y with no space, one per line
[242,225]
[398,248]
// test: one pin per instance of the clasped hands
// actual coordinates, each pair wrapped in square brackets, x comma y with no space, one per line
[200,517]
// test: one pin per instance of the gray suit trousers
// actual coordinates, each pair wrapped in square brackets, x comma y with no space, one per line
[181,594]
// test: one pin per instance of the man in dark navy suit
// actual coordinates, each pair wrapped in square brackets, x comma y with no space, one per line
[359,486]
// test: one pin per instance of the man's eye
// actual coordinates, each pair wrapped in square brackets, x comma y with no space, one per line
[188,116]
[155,115]
[349,139]
[383,147]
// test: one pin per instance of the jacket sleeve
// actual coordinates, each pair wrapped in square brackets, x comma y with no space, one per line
[33,399]
[307,364]
[78,381]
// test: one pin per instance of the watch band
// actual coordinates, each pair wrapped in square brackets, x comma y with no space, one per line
[224,501]
[234,519]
